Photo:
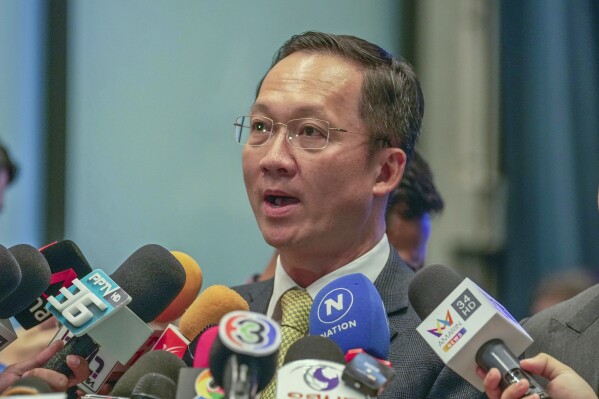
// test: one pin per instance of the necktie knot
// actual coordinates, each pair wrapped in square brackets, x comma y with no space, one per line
[295,307]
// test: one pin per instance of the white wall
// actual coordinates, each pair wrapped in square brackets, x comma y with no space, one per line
[21,116]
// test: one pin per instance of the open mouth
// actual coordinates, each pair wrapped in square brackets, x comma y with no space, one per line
[281,200]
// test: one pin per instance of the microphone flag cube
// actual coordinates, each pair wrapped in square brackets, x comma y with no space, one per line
[464,321]
[87,302]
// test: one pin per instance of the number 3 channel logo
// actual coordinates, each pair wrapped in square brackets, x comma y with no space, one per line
[250,333]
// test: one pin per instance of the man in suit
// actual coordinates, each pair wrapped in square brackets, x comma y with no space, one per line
[569,331]
[333,125]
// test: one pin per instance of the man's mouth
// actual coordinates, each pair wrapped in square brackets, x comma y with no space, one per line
[281,200]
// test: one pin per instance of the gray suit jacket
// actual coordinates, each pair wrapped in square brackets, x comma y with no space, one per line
[569,331]
[419,373]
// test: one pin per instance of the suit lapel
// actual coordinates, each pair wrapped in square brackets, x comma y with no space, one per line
[392,284]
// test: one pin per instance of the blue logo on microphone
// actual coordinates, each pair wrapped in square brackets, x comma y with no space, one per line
[335,305]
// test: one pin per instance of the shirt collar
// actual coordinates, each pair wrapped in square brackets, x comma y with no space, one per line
[370,264]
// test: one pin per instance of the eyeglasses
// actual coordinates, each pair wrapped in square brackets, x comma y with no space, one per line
[306,133]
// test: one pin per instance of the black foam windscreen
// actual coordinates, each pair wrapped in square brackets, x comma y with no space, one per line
[153,277]
[430,286]
[10,271]
[264,367]
[155,386]
[161,362]
[35,279]
[314,347]
[66,263]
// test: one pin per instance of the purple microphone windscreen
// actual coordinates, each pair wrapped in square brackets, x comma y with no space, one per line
[430,286]
[35,279]
[10,271]
[153,277]
[350,311]
[66,263]
[161,362]
[314,347]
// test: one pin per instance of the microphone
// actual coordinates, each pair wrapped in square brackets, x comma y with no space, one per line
[159,362]
[350,311]
[193,284]
[206,311]
[313,368]
[28,386]
[465,326]
[35,278]
[243,358]
[204,342]
[11,273]
[154,386]
[150,279]
[367,374]
[66,263]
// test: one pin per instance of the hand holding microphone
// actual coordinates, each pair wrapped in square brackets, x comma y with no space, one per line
[564,383]
[32,368]
[467,328]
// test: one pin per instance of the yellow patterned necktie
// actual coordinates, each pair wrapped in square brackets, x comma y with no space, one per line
[295,308]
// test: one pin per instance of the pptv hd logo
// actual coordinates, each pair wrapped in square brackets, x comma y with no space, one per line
[448,332]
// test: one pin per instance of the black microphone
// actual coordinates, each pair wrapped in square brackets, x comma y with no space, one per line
[153,277]
[154,386]
[465,326]
[35,278]
[11,273]
[160,362]
[66,263]
[244,355]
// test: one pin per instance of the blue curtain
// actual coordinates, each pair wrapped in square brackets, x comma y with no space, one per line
[550,124]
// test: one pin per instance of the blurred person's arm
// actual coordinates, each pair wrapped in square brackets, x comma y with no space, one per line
[32,367]
[564,383]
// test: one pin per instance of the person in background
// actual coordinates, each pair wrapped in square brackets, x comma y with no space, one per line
[408,217]
[409,210]
[560,286]
[8,172]
[334,123]
[569,331]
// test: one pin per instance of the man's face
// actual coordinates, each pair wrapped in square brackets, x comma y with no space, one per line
[409,237]
[316,200]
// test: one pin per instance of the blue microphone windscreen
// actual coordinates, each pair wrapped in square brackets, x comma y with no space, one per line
[350,311]
[10,271]
[35,279]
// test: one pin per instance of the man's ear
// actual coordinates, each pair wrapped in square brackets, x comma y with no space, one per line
[391,165]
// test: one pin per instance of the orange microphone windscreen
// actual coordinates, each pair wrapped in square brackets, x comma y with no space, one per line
[193,284]
[212,304]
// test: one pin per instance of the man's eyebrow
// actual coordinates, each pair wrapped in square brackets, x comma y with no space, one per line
[307,111]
